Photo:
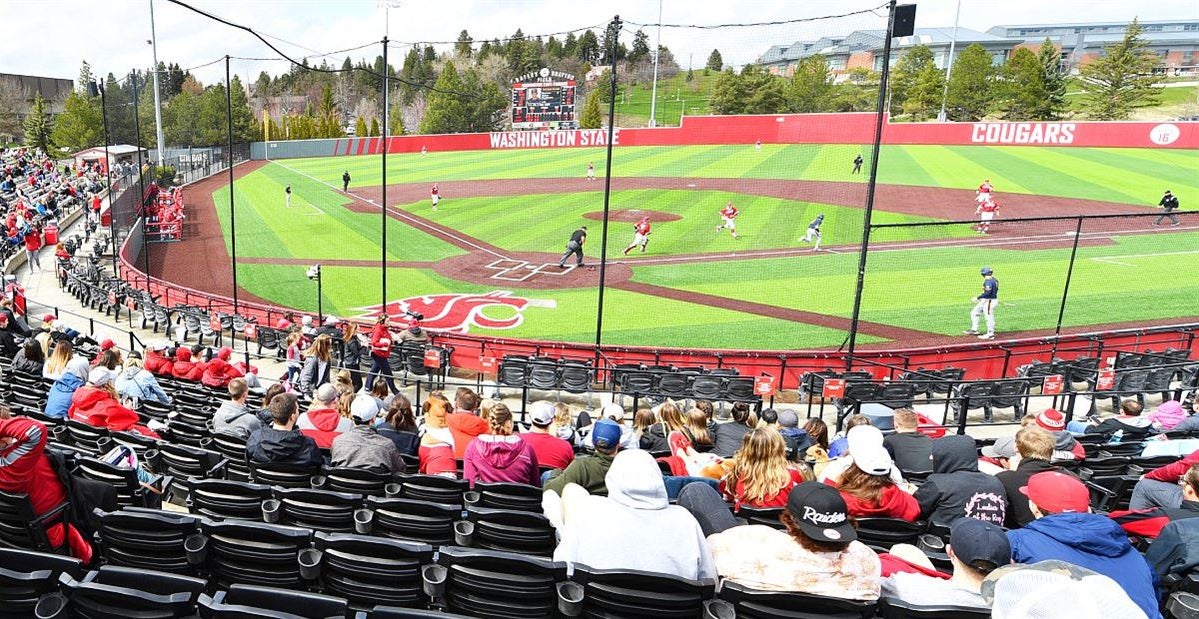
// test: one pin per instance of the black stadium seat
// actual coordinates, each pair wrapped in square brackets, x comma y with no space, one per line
[615,593]
[510,530]
[418,521]
[26,575]
[370,571]
[147,539]
[753,604]
[485,583]
[253,553]
[221,500]
[242,601]
[119,592]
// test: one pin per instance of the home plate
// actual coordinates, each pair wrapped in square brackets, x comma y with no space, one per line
[691,185]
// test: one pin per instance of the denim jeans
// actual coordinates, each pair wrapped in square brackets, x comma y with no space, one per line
[381,366]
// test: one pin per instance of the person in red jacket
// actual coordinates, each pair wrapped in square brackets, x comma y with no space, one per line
[96,405]
[25,469]
[464,423]
[1159,487]
[156,362]
[381,341]
[762,476]
[323,422]
[184,367]
[33,243]
[218,372]
[866,485]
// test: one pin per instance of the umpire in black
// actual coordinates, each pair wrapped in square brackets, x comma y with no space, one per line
[1170,203]
[574,246]
[345,181]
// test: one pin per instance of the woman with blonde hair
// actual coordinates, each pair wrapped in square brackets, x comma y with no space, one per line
[317,364]
[56,363]
[499,455]
[670,420]
[643,420]
[437,442]
[761,476]
[697,430]
[564,423]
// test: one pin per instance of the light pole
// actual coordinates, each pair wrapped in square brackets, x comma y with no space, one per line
[157,102]
[314,273]
[653,97]
[112,228]
[949,62]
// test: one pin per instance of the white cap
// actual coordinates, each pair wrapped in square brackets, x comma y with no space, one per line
[99,376]
[542,413]
[865,444]
[158,345]
[613,411]
[364,407]
[332,320]
[306,321]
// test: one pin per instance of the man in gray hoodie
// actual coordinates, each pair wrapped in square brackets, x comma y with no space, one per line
[957,489]
[653,535]
[234,417]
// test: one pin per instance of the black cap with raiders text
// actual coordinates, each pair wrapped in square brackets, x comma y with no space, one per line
[821,512]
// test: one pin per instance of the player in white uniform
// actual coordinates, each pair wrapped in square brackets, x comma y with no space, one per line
[287,193]
[590,171]
[729,215]
[814,232]
[435,195]
[986,212]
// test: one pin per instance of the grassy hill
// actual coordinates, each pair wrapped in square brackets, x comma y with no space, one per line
[675,96]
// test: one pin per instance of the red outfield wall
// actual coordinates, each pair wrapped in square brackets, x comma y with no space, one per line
[855,128]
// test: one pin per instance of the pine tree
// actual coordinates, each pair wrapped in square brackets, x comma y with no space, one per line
[640,49]
[243,117]
[39,125]
[463,48]
[85,77]
[811,86]
[588,47]
[1053,105]
[728,94]
[715,62]
[1022,90]
[970,94]
[1122,80]
[360,129]
[374,130]
[445,111]
[592,117]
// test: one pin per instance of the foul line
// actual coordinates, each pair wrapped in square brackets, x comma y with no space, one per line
[400,214]
[1112,259]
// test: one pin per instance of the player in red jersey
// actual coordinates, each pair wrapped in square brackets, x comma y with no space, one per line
[435,195]
[640,235]
[729,215]
[984,192]
[986,213]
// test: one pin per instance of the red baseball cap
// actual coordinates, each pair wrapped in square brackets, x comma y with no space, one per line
[49,318]
[1052,420]
[1056,492]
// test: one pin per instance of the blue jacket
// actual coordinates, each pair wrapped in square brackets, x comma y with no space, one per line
[58,401]
[141,384]
[1092,541]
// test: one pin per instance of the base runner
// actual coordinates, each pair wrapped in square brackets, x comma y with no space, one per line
[640,235]
[985,304]
[590,171]
[986,213]
[729,215]
[814,232]
[984,192]
[435,195]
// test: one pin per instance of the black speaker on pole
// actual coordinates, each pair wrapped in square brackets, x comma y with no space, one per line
[905,20]
[93,90]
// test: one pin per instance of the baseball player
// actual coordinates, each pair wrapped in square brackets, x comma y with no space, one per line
[287,193]
[758,145]
[729,215]
[814,231]
[345,181]
[985,305]
[986,212]
[1169,202]
[435,195]
[590,171]
[857,164]
[984,192]
[423,151]
[640,235]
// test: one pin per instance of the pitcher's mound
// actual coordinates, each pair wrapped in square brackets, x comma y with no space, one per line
[632,215]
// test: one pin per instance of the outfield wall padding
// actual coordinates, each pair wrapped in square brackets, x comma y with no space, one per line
[851,128]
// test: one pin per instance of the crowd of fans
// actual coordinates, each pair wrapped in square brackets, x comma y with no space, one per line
[34,194]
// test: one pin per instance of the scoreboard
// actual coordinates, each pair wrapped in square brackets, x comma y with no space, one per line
[544,100]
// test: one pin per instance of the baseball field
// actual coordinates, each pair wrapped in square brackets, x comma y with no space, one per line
[486,262]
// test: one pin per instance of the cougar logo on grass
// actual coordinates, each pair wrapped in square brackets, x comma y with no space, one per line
[457,313]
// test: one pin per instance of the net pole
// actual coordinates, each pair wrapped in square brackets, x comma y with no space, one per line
[603,262]
[141,179]
[383,200]
[232,210]
[870,188]
[112,225]
[1061,311]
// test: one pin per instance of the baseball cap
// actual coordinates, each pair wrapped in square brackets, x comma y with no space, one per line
[1056,492]
[1052,420]
[332,320]
[224,353]
[986,271]
[1038,590]
[613,411]
[325,394]
[99,376]
[364,408]
[866,447]
[107,344]
[1004,447]
[307,320]
[975,540]
[541,413]
[605,434]
[158,345]
[788,419]
[49,318]
[820,512]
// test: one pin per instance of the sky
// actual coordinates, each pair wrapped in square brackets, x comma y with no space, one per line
[51,37]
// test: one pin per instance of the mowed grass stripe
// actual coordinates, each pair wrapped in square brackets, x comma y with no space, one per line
[951,168]
[1171,176]
[1052,172]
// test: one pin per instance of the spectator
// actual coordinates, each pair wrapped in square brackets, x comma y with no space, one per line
[648,533]
[697,431]
[591,473]
[643,420]
[234,417]
[294,355]
[671,419]
[400,426]
[184,368]
[817,552]
[135,383]
[323,422]
[975,549]
[218,372]
[25,469]
[369,403]
[364,448]
[58,400]
[728,436]
[380,347]
[1055,589]
[1065,529]
[464,423]
[564,427]
[796,438]
[414,334]
[761,476]
[817,431]
[1129,423]
[8,336]
[30,359]
[840,444]
[1167,416]
[552,452]
[1189,424]
[437,441]
[613,412]
[1159,487]
[1035,447]
[499,455]
[911,450]
[318,360]
[96,405]
[280,442]
[156,362]
[867,485]
[62,353]
[352,359]
[1148,523]
[957,488]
